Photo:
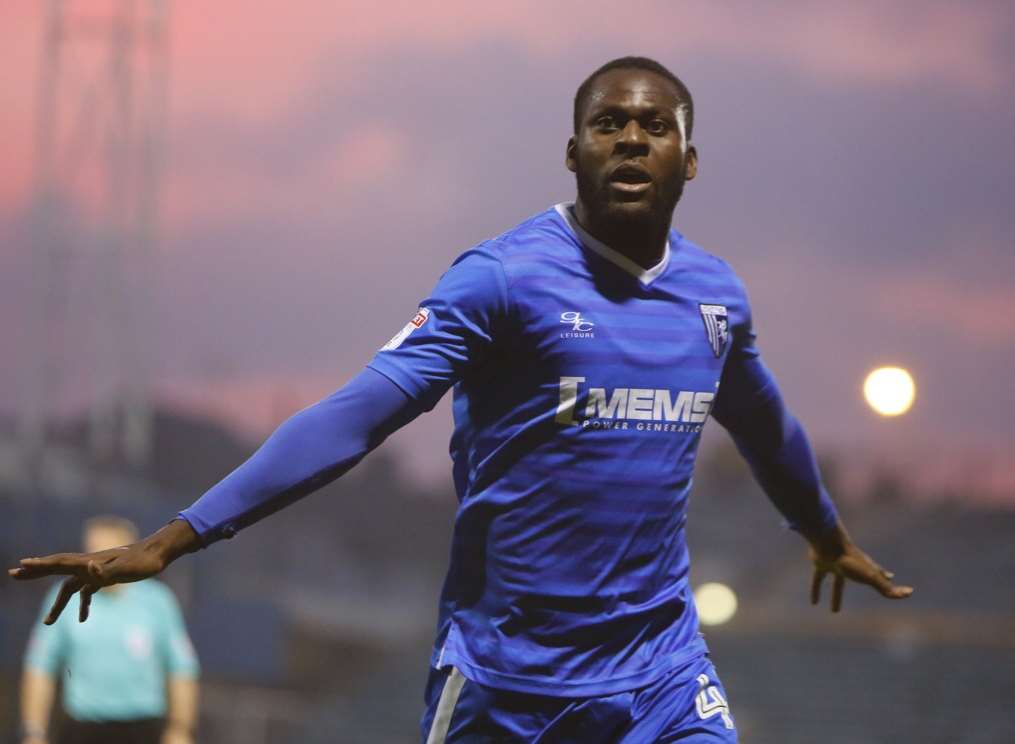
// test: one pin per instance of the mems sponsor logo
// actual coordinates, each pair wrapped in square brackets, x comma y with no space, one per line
[642,409]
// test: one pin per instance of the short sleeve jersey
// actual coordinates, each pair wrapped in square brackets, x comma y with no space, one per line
[114,667]
[581,386]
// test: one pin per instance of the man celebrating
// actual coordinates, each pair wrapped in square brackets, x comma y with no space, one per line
[586,348]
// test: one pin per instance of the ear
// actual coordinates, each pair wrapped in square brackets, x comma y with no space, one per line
[691,164]
[570,155]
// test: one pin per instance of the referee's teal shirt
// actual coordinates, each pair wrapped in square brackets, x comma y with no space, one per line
[114,666]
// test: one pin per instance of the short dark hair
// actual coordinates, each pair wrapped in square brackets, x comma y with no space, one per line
[634,63]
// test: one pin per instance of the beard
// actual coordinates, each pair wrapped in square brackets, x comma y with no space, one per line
[617,217]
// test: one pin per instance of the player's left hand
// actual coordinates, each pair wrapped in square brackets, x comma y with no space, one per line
[834,553]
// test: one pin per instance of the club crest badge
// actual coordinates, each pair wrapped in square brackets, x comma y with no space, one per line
[716,327]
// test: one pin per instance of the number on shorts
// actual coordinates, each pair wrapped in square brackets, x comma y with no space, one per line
[710,702]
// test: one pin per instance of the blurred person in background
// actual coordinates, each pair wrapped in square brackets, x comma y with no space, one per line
[129,679]
[586,347]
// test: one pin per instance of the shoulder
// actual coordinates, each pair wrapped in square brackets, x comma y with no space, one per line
[695,257]
[538,230]
[537,239]
[709,269]
[533,246]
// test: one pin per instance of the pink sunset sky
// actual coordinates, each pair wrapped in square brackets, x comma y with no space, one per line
[327,161]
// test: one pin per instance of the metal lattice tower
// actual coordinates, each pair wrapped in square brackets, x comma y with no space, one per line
[100,123]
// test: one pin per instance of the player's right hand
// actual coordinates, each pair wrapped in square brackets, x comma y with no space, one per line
[834,553]
[89,572]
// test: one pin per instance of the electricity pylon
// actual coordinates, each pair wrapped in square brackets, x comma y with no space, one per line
[99,156]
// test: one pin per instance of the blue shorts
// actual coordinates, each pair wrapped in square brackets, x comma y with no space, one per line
[688,705]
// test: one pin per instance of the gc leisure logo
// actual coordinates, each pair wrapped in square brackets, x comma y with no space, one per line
[580,327]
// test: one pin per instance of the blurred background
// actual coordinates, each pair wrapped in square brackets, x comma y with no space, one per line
[212,215]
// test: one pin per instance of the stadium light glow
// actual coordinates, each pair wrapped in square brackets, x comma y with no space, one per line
[889,390]
[717,603]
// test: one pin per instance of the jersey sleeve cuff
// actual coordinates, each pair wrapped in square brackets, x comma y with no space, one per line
[827,520]
[206,533]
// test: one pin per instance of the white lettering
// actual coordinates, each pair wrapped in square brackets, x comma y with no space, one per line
[701,406]
[603,405]
[597,407]
[568,399]
[603,424]
[666,410]
[639,404]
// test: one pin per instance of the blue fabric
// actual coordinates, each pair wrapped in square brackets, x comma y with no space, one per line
[580,391]
[774,444]
[689,706]
[581,386]
[309,450]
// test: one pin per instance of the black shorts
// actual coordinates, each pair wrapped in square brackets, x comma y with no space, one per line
[138,731]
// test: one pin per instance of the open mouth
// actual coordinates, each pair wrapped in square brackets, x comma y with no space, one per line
[630,178]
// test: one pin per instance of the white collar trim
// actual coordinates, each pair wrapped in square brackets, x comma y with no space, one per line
[645,276]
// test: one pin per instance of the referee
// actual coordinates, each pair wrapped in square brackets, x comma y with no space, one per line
[131,679]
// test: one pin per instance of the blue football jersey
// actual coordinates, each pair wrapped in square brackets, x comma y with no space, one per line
[581,385]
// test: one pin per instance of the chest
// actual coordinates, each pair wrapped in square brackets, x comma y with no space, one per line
[647,337]
[116,630]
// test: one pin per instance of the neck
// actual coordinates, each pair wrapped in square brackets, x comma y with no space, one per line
[642,242]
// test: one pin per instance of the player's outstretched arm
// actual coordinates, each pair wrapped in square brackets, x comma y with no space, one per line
[453,329]
[776,447]
[312,448]
[89,572]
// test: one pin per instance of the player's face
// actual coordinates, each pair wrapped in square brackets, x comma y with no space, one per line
[630,154]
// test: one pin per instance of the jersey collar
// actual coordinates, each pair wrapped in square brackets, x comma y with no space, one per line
[645,276]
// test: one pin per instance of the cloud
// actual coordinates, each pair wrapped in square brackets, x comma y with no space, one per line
[370,154]
[970,313]
[873,43]
[253,59]
[245,65]
[232,174]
